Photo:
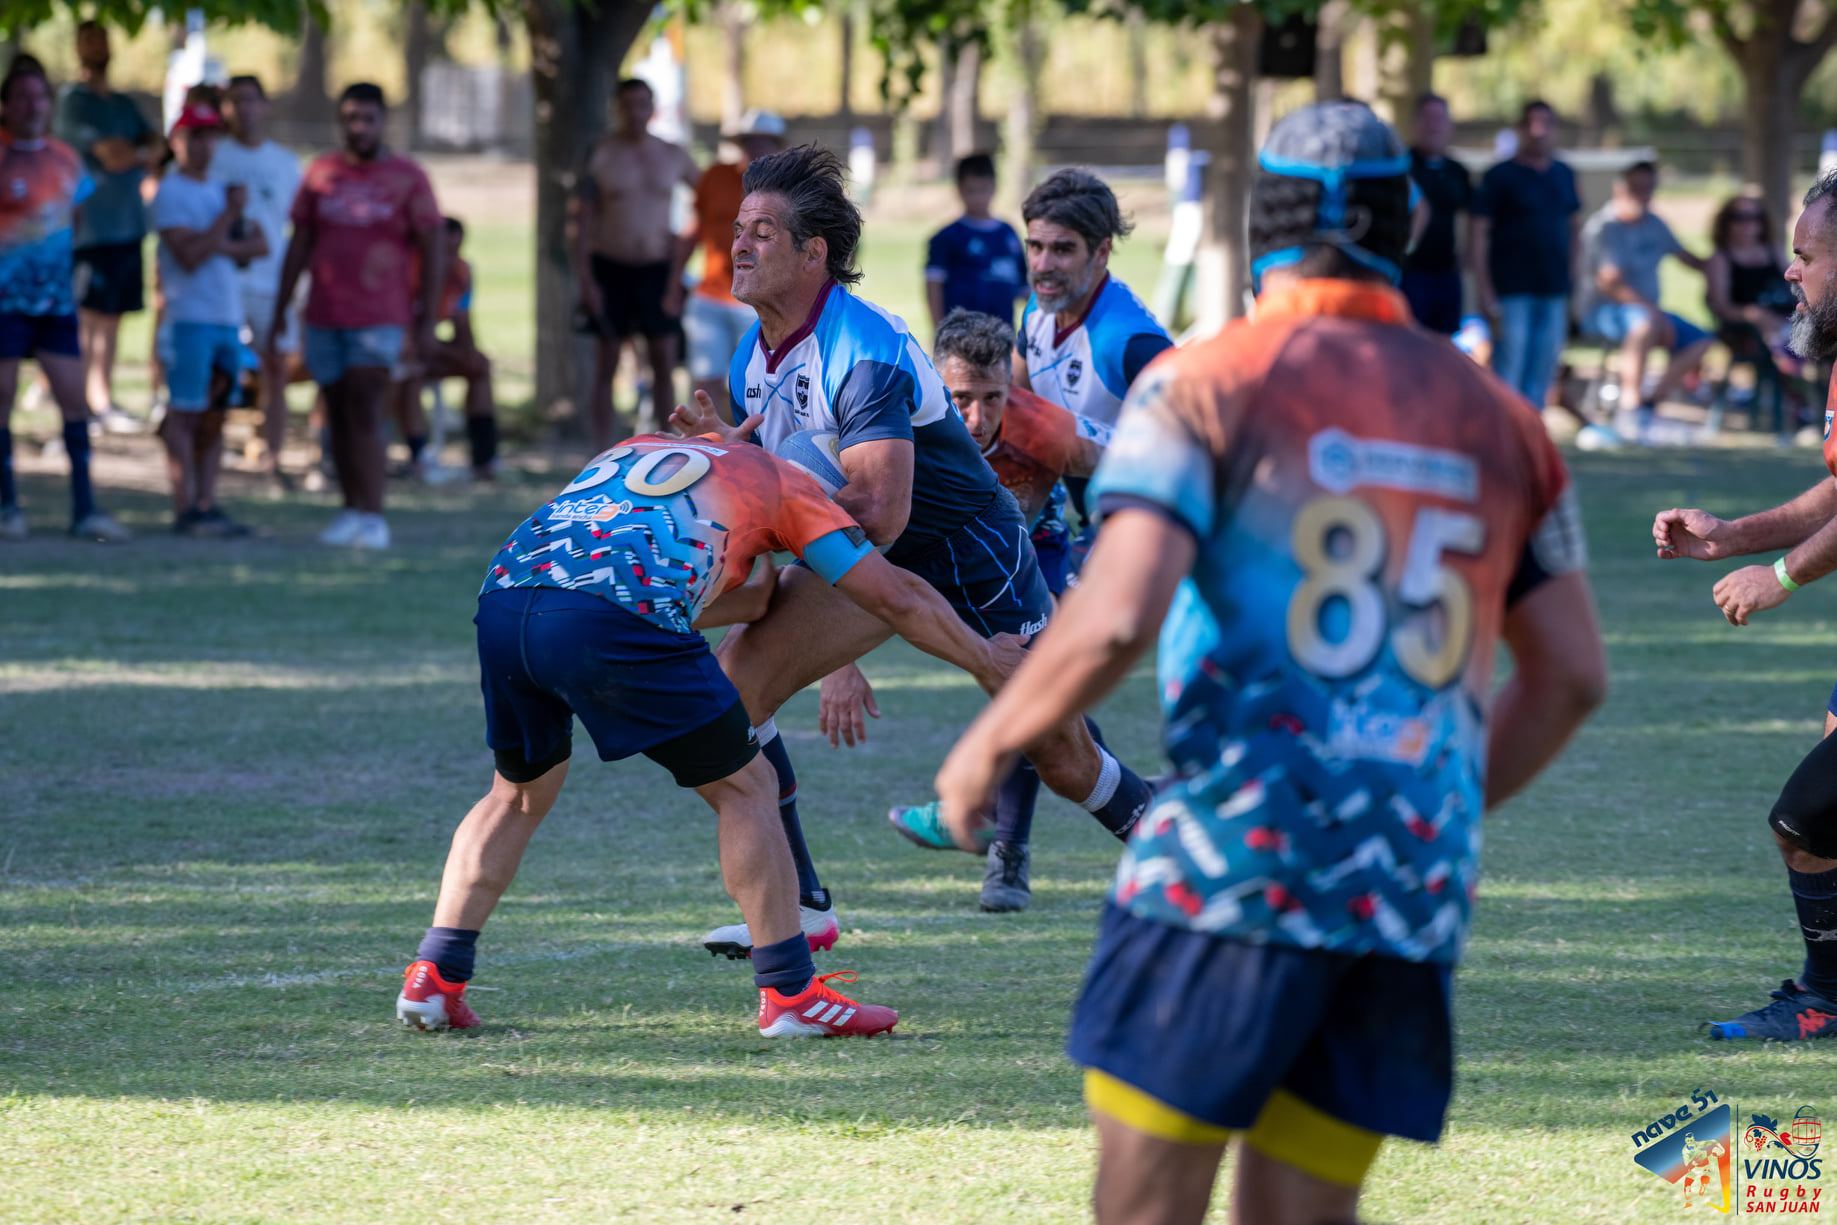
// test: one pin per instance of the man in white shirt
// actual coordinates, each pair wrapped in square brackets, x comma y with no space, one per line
[203,236]
[271,173]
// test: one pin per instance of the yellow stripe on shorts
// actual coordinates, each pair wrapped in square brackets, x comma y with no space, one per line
[1128,1105]
[1313,1141]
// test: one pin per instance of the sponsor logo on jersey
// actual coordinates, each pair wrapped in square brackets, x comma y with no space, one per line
[1356,731]
[803,392]
[597,509]
[1340,462]
[1032,627]
[1074,370]
[752,393]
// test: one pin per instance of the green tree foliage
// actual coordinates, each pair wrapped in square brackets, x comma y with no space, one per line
[285,15]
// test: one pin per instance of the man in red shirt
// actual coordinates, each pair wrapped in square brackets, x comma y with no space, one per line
[360,219]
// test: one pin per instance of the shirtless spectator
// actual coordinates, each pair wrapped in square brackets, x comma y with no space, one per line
[458,357]
[622,255]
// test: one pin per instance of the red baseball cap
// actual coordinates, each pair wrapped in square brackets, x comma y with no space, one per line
[197,115]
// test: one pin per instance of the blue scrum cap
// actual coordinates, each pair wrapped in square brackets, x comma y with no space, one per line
[1333,143]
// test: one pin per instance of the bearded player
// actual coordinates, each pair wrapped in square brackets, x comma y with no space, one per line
[591,610]
[1031,444]
[842,384]
[1354,515]
[1804,818]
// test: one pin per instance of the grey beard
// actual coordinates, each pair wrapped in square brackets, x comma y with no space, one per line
[1814,330]
[1055,303]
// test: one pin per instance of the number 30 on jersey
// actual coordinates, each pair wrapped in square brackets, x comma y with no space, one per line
[1339,543]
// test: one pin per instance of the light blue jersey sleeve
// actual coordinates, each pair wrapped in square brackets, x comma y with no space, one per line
[1125,336]
[832,556]
[875,392]
[1152,459]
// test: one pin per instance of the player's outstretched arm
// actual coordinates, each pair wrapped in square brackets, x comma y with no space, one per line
[1105,624]
[1559,676]
[920,616]
[1754,589]
[1686,532]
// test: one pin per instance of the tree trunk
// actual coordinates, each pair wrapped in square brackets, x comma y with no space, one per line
[733,63]
[416,47]
[575,53]
[965,101]
[1021,128]
[310,103]
[1222,266]
[1406,65]
[847,109]
[941,149]
[1329,51]
[1137,25]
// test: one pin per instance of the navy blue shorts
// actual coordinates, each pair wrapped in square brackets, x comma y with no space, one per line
[24,336]
[547,656]
[1434,298]
[987,571]
[1052,545]
[1212,1027]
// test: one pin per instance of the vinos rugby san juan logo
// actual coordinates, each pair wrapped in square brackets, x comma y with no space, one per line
[1720,1159]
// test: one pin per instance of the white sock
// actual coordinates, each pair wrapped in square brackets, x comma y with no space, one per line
[1109,775]
[766,732]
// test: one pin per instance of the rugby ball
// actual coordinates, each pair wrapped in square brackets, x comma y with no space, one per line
[818,454]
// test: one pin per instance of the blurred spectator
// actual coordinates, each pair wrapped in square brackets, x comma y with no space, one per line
[203,235]
[1748,291]
[46,184]
[271,175]
[1525,218]
[1432,270]
[715,321]
[976,262]
[360,217]
[1622,246]
[457,358]
[624,254]
[118,146]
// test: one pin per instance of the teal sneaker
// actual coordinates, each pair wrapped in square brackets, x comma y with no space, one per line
[923,826]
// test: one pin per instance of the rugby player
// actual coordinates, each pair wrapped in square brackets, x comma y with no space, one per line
[1353,514]
[904,466]
[590,609]
[1031,444]
[1085,336]
[1804,818]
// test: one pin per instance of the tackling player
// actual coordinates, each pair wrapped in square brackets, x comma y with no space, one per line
[1804,818]
[1031,444]
[1353,514]
[844,387]
[590,610]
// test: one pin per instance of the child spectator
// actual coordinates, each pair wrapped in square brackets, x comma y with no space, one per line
[203,235]
[976,262]
[455,358]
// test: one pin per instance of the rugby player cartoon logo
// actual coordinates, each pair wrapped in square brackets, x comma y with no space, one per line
[1695,1152]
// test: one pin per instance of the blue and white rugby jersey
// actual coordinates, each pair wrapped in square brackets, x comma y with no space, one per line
[1088,369]
[855,369]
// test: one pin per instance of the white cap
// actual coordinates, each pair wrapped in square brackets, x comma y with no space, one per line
[758,122]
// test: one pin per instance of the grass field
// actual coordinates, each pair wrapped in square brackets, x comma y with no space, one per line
[231,774]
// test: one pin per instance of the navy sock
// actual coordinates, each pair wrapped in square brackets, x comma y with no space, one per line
[1014,803]
[9,493]
[786,965]
[453,950]
[810,890]
[482,434]
[1815,895]
[76,446]
[1120,797]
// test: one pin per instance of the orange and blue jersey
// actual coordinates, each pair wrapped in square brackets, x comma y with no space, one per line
[41,184]
[1038,440]
[662,526]
[1366,505]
